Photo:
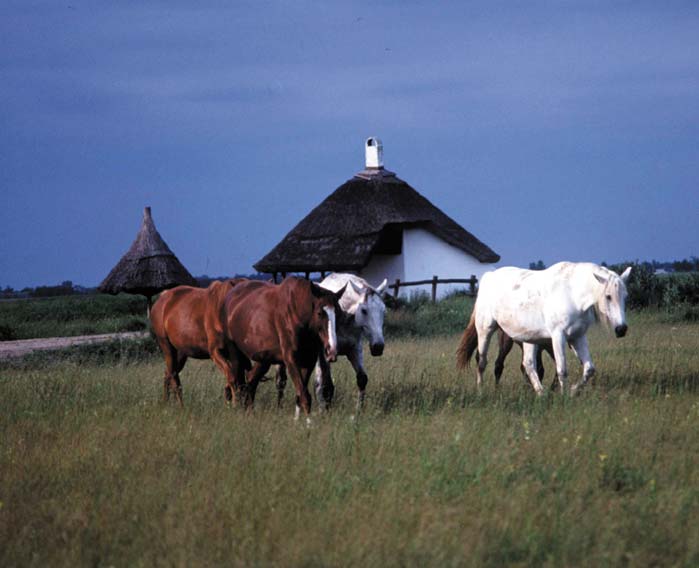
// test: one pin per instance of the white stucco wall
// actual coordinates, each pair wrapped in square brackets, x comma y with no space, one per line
[424,255]
[383,266]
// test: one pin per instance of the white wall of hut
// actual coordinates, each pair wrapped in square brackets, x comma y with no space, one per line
[423,256]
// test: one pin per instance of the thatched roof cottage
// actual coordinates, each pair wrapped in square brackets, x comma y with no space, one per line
[379,227]
[148,267]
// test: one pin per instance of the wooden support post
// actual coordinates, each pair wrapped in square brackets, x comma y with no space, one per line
[308,275]
[472,284]
[434,288]
[397,288]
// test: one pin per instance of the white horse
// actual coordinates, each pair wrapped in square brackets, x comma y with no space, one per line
[363,311]
[531,306]
[362,317]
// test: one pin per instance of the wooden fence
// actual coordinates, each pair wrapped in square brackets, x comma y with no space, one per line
[472,283]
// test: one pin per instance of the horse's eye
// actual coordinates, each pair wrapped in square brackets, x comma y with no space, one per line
[364,312]
[609,298]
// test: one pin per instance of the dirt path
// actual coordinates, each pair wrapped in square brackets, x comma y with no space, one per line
[21,347]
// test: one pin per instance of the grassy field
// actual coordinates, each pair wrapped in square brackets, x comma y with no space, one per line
[96,470]
[65,316]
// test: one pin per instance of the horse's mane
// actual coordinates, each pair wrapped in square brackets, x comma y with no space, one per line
[601,317]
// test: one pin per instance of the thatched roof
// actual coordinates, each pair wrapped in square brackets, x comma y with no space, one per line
[358,218]
[148,267]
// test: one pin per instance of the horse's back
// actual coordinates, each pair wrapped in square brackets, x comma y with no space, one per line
[335,281]
[529,304]
[178,317]
[515,299]
[258,314]
[248,304]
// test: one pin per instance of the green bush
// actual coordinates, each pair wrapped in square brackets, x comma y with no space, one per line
[7,333]
[667,291]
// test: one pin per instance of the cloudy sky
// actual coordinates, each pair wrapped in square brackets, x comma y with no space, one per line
[551,130]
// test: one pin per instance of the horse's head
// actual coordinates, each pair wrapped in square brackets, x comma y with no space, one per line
[368,311]
[323,320]
[611,299]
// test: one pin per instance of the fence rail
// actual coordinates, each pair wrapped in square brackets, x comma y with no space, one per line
[472,282]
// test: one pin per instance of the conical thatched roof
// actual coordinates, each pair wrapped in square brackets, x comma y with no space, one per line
[342,232]
[148,267]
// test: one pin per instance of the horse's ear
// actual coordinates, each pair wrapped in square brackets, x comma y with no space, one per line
[625,275]
[340,292]
[381,288]
[600,278]
[358,289]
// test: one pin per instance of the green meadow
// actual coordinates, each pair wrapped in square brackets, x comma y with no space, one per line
[96,470]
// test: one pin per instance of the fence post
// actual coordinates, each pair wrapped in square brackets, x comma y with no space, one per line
[473,284]
[397,287]
[434,288]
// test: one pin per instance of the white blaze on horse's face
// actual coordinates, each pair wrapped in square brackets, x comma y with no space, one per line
[612,300]
[331,347]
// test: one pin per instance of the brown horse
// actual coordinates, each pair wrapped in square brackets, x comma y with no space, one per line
[188,322]
[469,344]
[290,324]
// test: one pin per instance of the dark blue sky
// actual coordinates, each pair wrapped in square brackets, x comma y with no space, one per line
[551,130]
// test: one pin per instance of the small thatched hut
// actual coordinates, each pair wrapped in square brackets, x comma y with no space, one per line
[148,267]
[379,227]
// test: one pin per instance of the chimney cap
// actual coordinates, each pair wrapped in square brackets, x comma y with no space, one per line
[374,153]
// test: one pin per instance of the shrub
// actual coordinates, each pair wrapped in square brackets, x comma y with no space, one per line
[7,333]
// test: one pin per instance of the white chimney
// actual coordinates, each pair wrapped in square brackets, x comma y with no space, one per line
[374,154]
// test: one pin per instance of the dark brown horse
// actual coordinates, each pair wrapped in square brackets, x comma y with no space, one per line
[290,324]
[505,344]
[188,322]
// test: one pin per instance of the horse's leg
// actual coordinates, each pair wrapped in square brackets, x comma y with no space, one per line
[356,359]
[252,380]
[558,341]
[548,347]
[181,360]
[324,386]
[485,331]
[300,380]
[281,384]
[229,365]
[540,365]
[529,351]
[170,356]
[505,343]
[583,352]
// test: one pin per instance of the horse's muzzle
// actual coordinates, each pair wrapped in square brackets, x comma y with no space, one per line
[621,330]
[330,354]
[376,349]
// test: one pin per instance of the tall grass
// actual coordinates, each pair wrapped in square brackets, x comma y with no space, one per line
[96,470]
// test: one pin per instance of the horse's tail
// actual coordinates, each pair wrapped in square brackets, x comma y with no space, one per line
[468,344]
